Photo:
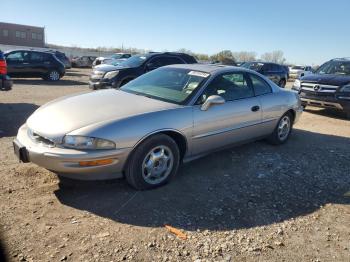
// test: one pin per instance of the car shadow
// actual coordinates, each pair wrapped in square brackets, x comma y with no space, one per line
[34,82]
[328,112]
[248,186]
[75,74]
[13,115]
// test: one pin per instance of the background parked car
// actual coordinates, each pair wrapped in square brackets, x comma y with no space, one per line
[115,58]
[328,87]
[105,76]
[32,63]
[299,71]
[275,72]
[83,61]
[5,81]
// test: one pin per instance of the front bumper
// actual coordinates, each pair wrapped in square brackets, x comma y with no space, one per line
[100,84]
[326,101]
[65,162]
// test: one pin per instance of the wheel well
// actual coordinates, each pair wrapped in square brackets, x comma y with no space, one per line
[292,112]
[179,139]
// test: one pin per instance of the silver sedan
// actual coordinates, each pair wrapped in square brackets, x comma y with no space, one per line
[144,130]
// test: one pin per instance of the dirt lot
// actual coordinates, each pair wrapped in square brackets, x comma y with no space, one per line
[256,202]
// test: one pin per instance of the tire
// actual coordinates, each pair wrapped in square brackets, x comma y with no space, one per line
[53,75]
[160,170]
[279,136]
[282,83]
[347,115]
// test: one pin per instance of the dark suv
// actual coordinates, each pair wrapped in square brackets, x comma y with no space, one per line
[276,72]
[107,76]
[32,63]
[328,87]
[5,81]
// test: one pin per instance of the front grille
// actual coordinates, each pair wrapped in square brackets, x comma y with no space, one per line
[318,88]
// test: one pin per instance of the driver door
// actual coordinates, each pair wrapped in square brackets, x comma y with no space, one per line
[234,121]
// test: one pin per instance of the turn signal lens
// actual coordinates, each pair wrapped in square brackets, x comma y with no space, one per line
[100,162]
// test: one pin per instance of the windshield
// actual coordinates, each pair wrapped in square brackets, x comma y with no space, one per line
[174,85]
[133,61]
[116,56]
[299,67]
[256,66]
[335,68]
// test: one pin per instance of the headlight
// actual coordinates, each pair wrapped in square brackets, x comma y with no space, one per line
[84,142]
[345,88]
[297,84]
[111,74]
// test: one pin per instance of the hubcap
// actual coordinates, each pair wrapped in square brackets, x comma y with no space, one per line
[54,75]
[284,128]
[157,165]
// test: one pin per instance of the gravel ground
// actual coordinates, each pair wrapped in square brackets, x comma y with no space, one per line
[256,202]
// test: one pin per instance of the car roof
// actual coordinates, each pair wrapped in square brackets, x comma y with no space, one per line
[210,68]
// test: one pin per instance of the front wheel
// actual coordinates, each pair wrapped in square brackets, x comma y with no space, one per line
[153,163]
[282,131]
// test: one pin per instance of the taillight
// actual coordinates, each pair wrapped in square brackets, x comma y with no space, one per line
[3,67]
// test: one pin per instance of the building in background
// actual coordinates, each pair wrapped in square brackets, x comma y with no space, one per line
[22,35]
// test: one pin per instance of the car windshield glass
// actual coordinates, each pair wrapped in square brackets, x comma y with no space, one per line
[299,67]
[116,56]
[253,66]
[174,85]
[335,68]
[134,61]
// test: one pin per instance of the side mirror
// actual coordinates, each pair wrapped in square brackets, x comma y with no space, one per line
[212,100]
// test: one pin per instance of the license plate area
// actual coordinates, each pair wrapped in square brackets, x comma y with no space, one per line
[20,151]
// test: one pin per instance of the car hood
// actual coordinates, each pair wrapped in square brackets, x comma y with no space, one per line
[295,70]
[108,67]
[335,80]
[62,116]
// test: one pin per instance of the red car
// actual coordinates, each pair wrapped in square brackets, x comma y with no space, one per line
[5,81]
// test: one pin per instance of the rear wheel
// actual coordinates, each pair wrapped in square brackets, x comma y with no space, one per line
[282,131]
[53,75]
[153,163]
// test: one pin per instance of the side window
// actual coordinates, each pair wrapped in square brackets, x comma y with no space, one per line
[231,86]
[17,57]
[14,57]
[156,62]
[266,68]
[259,85]
[172,60]
[36,57]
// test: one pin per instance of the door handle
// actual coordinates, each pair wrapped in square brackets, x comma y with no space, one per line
[255,108]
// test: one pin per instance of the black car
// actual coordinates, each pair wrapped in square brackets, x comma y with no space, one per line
[32,63]
[106,76]
[276,72]
[327,87]
[5,81]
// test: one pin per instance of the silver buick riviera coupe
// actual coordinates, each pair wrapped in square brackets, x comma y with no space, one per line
[145,129]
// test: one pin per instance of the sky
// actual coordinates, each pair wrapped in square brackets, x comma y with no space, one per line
[308,32]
